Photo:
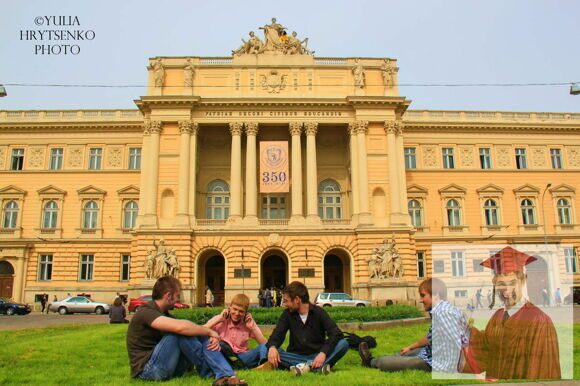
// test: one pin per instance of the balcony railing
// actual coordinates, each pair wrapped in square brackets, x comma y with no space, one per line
[277,221]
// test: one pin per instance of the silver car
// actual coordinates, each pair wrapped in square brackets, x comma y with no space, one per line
[74,304]
[336,299]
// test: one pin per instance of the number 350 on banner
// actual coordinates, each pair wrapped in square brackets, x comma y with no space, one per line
[274,167]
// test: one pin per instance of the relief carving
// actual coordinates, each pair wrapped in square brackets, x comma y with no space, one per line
[2,158]
[36,157]
[161,261]
[466,154]
[430,156]
[273,83]
[539,157]
[503,156]
[75,156]
[115,156]
[574,157]
[385,261]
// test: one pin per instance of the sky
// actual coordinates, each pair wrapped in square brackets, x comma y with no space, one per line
[435,42]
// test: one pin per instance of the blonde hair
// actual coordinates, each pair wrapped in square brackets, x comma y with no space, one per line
[242,301]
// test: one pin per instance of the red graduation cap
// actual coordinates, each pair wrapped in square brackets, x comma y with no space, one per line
[508,260]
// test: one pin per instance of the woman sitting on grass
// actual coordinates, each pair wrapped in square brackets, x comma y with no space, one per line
[118,314]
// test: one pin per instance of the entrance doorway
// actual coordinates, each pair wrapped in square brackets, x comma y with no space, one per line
[274,272]
[211,273]
[6,279]
[337,272]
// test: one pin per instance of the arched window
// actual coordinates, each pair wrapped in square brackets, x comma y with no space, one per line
[130,214]
[90,215]
[453,213]
[564,212]
[528,212]
[416,213]
[49,215]
[491,212]
[329,203]
[10,215]
[218,200]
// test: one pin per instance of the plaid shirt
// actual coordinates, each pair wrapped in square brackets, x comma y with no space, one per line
[446,336]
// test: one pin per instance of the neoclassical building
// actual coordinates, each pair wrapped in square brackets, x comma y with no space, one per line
[274,165]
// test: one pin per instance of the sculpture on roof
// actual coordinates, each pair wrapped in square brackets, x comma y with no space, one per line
[158,72]
[359,74]
[253,46]
[276,39]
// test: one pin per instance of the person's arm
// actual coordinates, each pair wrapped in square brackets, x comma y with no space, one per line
[219,318]
[332,331]
[255,331]
[182,327]
[279,333]
[420,343]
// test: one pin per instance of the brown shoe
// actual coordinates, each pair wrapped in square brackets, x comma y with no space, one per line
[266,366]
[365,354]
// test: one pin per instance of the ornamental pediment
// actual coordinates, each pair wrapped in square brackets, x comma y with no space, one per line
[417,189]
[51,190]
[276,40]
[527,188]
[12,190]
[490,188]
[128,191]
[563,188]
[91,190]
[453,188]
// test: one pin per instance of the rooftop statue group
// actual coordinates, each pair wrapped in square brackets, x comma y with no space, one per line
[161,261]
[276,39]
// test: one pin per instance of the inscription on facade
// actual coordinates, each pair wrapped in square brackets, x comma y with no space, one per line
[273,113]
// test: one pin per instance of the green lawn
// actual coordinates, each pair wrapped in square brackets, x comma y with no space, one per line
[96,354]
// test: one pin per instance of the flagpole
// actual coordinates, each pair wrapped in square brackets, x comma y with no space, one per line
[243,274]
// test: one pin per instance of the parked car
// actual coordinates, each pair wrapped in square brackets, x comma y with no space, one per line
[11,308]
[134,304]
[74,304]
[573,297]
[335,299]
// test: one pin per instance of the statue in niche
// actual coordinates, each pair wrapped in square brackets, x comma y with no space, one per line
[385,261]
[388,71]
[359,74]
[188,72]
[158,72]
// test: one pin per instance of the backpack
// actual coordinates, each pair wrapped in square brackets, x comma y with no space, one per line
[354,340]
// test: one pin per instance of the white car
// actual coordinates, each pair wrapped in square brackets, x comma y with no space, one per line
[336,299]
[83,304]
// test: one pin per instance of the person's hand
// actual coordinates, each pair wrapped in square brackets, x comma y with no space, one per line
[214,344]
[248,318]
[225,314]
[274,357]
[405,350]
[319,360]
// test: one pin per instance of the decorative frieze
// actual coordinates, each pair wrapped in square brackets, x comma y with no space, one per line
[503,156]
[466,156]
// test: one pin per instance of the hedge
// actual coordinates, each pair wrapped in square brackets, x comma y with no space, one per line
[338,314]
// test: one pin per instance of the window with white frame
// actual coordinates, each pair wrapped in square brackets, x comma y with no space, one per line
[570,258]
[438,266]
[416,213]
[90,215]
[420,264]
[477,267]
[461,294]
[410,158]
[56,157]
[491,212]
[329,201]
[134,158]
[10,220]
[95,158]
[273,206]
[556,158]
[218,200]
[528,210]
[453,213]
[86,268]
[485,157]
[50,215]
[125,267]
[564,212]
[448,158]
[45,267]
[130,212]
[457,264]
[17,161]
[521,160]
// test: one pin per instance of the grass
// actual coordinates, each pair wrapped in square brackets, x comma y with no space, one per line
[96,355]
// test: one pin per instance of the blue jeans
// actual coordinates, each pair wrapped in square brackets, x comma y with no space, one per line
[291,359]
[254,357]
[175,354]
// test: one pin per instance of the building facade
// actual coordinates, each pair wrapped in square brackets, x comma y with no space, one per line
[88,196]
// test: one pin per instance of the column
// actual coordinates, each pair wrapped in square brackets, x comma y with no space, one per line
[361,134]
[182,217]
[397,217]
[354,179]
[402,180]
[153,177]
[193,172]
[236,172]
[251,172]
[295,132]
[143,195]
[311,179]
[19,277]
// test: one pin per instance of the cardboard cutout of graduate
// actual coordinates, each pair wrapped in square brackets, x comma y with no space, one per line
[519,341]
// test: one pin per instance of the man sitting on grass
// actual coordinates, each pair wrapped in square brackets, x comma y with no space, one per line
[235,327]
[316,342]
[161,347]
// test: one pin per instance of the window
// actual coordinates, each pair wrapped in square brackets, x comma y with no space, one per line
[410,158]
[420,264]
[49,215]
[329,203]
[130,214]
[273,206]
[218,200]
[453,213]
[56,155]
[570,257]
[17,159]
[95,158]
[485,157]
[448,159]
[477,267]
[457,264]
[125,267]
[490,209]
[564,212]
[415,211]
[556,157]
[10,215]
[460,293]
[528,212]
[45,267]
[521,162]
[134,158]
[87,262]
[438,266]
[90,215]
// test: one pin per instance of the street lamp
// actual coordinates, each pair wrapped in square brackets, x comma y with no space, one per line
[3,92]
[575,89]
[544,217]
[243,274]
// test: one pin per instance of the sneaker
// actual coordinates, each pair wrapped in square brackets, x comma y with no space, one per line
[325,369]
[299,369]
[365,354]
[266,366]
